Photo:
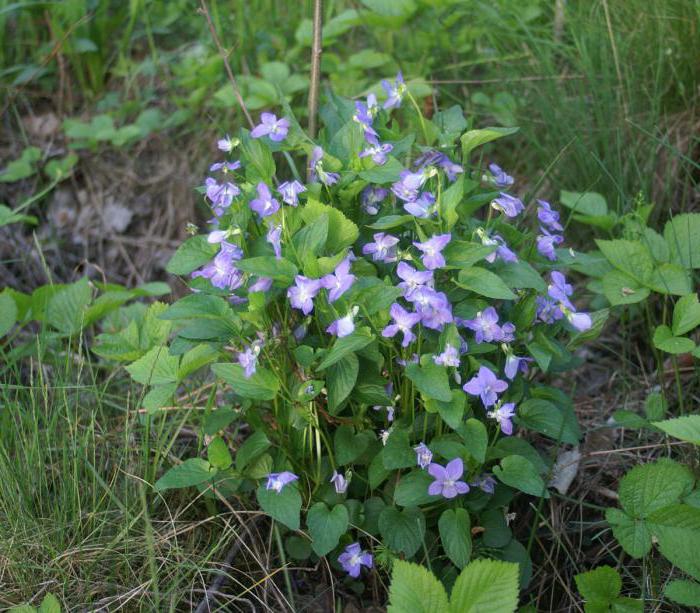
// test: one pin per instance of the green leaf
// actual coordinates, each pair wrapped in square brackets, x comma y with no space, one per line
[451,412]
[670,279]
[633,534]
[682,234]
[392,8]
[192,254]
[585,203]
[518,472]
[341,231]
[677,530]
[389,172]
[340,379]
[348,344]
[631,257]
[686,428]
[412,489]
[475,138]
[655,406]
[191,472]
[475,438]
[664,340]
[391,221]
[599,586]
[684,592]
[485,283]
[155,367]
[650,487]
[49,604]
[158,396]
[456,536]
[348,445]
[262,385]
[268,266]
[254,445]
[430,379]
[8,216]
[197,306]
[218,454]
[8,312]
[463,254]
[414,589]
[397,451]
[686,314]
[404,530]
[520,275]
[620,288]
[284,506]
[326,526]
[544,416]
[66,309]
[486,585]
[449,200]
[311,239]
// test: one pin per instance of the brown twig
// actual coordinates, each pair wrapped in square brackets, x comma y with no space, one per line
[204,10]
[316,50]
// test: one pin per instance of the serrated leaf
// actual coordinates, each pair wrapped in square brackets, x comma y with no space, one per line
[191,472]
[415,589]
[684,592]
[261,385]
[155,367]
[686,314]
[682,235]
[66,309]
[650,487]
[633,534]
[486,585]
[601,585]
[666,341]
[686,428]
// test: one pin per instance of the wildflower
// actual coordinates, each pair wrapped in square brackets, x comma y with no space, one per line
[423,455]
[389,411]
[507,332]
[403,322]
[383,249]
[450,168]
[503,415]
[339,281]
[220,194]
[395,92]
[371,196]
[290,190]
[221,271]
[412,279]
[248,359]
[515,364]
[548,310]
[263,284]
[432,257]
[317,172]
[447,478]
[423,207]
[486,385]
[546,244]
[414,359]
[559,289]
[548,217]
[502,251]
[486,483]
[227,144]
[217,236]
[509,205]
[580,321]
[485,326]
[269,125]
[344,326]
[274,237]
[301,294]
[500,177]
[449,357]
[435,311]
[353,559]
[406,188]
[376,150]
[277,481]
[225,166]
[264,205]
[339,482]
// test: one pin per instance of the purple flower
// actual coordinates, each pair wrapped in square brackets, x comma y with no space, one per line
[503,415]
[449,357]
[344,326]
[389,411]
[270,126]
[377,151]
[509,205]
[339,482]
[423,455]
[434,308]
[447,478]
[353,559]
[437,158]
[450,168]
[221,194]
[485,385]
[580,321]
[548,310]
[486,483]
[406,188]
[485,326]
[217,236]
[274,237]
[515,364]
[548,217]
[301,294]
[264,205]
[248,359]
[364,117]
[221,271]
[560,290]
[226,144]
[403,322]
[414,359]
[225,166]
[263,284]
[423,207]
[507,332]
[339,281]
[546,244]
[370,197]
[317,172]
[432,257]
[277,481]
[290,191]
[412,279]
[383,249]
[395,92]
[500,177]
[503,252]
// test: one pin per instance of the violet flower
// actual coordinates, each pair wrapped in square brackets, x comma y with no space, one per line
[395,92]
[559,289]
[500,177]
[502,252]
[377,151]
[264,205]
[274,237]
[514,364]
[221,194]
[339,482]
[434,308]
[507,332]
[248,359]
[383,249]
[509,205]
[546,244]
[486,385]
[406,188]
[486,483]
[548,217]
[403,322]
[225,166]
[449,357]
[504,415]
[548,310]
[447,481]
[412,279]
[423,207]
[226,144]
[290,190]
[269,125]
[344,326]
[263,284]
[317,172]
[423,455]
[353,559]
[302,293]
[580,321]
[485,326]
[221,271]
[432,250]
[277,481]
[371,197]
[339,282]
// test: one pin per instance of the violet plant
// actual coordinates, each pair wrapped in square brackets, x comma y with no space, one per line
[382,333]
